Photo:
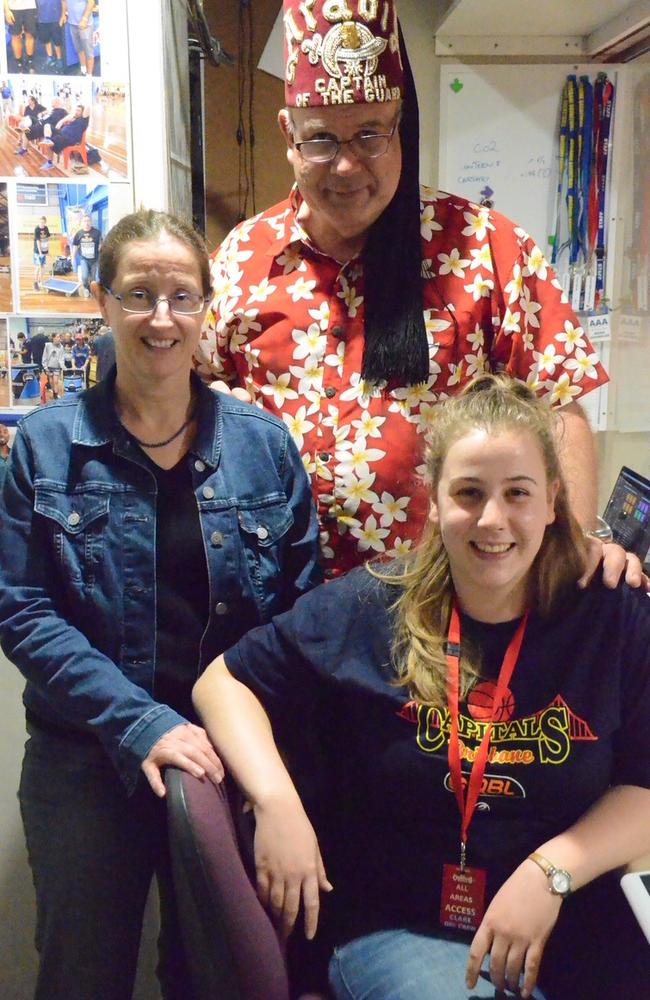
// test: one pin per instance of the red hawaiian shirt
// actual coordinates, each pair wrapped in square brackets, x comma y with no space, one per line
[286,322]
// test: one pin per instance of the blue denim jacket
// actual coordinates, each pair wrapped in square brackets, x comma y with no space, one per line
[77,557]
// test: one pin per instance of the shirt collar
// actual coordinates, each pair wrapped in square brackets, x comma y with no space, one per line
[289,230]
[96,422]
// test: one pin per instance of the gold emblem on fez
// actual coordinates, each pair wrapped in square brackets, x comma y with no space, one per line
[353,45]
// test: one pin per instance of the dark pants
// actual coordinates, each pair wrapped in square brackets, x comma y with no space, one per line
[93,852]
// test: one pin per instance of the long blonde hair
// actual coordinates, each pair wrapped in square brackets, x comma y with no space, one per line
[492,403]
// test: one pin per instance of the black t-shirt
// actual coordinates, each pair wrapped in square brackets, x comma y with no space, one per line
[88,243]
[181,587]
[42,235]
[386,816]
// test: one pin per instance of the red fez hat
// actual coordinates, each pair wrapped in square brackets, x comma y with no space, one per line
[341,52]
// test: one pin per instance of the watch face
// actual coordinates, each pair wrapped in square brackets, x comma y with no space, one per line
[561,883]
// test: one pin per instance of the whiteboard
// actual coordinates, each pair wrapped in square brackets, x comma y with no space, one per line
[498,128]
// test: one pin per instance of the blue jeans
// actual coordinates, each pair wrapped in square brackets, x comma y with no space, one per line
[405,965]
[87,271]
[93,852]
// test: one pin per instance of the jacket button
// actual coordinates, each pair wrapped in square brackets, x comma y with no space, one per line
[73,519]
[216,539]
[221,608]
[338,331]
[199,465]
[208,492]
[330,391]
[262,532]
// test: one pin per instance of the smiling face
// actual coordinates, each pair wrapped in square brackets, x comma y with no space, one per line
[157,345]
[492,505]
[345,196]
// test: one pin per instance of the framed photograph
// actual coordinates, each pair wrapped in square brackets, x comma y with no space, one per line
[60,229]
[49,37]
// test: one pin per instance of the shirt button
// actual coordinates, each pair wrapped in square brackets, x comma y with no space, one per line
[330,391]
[324,456]
[221,608]
[208,492]
[73,519]
[338,331]
[216,538]
[262,532]
[199,465]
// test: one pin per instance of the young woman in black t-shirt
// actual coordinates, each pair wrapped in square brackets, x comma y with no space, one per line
[470,693]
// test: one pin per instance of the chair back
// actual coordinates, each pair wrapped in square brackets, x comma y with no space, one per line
[232,949]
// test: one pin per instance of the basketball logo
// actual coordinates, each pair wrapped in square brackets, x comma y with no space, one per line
[480,703]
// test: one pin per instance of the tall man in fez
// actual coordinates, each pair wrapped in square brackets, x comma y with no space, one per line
[359,303]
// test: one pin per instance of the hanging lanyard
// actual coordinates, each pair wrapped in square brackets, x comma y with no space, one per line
[467,801]
[603,105]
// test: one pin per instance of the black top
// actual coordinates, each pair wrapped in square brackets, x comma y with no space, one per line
[181,587]
[576,722]
[38,342]
[42,236]
[87,242]
[104,349]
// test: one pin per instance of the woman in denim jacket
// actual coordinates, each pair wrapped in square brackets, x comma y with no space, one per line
[148,523]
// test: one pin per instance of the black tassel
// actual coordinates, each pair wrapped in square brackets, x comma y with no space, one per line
[395,347]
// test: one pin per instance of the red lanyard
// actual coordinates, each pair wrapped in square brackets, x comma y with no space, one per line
[467,802]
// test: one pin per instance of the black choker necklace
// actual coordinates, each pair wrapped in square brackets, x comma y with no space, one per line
[161,444]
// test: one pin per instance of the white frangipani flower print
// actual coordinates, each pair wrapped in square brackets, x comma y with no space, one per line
[278,387]
[400,547]
[547,360]
[453,263]
[482,258]
[371,536]
[515,286]
[354,491]
[301,289]
[530,309]
[309,343]
[478,224]
[355,458]
[261,292]
[582,364]
[321,315]
[428,224]
[562,391]
[535,263]
[368,426]
[480,287]
[390,509]
[298,425]
[572,336]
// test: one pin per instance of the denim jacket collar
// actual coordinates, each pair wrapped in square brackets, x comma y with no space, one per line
[96,422]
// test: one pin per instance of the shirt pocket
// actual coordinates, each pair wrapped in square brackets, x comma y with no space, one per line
[77,525]
[265,531]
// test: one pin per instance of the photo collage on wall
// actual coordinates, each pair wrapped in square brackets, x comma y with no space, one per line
[64,167]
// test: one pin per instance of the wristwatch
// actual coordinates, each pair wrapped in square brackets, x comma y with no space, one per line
[559,880]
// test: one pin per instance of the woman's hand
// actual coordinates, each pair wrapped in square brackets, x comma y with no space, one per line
[186,746]
[514,930]
[289,865]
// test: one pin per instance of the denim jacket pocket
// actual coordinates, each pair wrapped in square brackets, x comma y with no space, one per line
[76,522]
[265,529]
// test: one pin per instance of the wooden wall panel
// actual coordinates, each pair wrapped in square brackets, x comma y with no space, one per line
[273,174]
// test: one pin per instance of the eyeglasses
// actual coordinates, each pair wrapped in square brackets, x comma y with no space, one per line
[364,145]
[138,300]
